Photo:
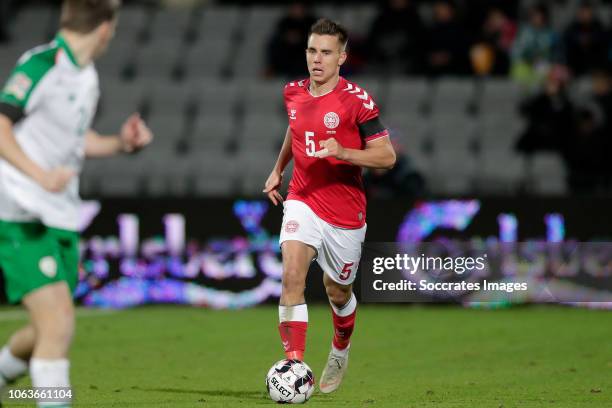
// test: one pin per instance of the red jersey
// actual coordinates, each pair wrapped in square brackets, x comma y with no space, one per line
[332,188]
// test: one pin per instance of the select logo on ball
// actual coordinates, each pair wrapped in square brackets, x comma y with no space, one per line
[292,226]
[331,120]
[276,384]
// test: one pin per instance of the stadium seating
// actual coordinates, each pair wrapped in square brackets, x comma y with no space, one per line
[196,77]
[213,133]
[34,25]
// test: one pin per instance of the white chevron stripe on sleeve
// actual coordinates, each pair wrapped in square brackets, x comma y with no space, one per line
[348,87]
[364,96]
[356,90]
[370,105]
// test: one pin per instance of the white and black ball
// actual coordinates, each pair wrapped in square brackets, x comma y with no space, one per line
[290,382]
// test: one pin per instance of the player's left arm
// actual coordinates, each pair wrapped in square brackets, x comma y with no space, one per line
[134,136]
[377,154]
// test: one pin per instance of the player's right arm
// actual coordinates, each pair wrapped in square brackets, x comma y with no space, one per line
[16,102]
[276,176]
[53,181]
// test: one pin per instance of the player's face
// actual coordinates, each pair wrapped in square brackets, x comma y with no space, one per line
[324,56]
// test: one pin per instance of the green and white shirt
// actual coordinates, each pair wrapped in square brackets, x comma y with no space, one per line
[52,101]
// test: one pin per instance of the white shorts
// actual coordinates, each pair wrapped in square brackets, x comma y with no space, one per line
[338,249]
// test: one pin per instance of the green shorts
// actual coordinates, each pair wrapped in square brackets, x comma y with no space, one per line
[33,255]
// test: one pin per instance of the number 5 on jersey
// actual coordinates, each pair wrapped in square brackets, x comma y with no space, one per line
[311,146]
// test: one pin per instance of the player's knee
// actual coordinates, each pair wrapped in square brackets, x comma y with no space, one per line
[338,295]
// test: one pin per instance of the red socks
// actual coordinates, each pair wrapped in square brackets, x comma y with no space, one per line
[292,329]
[344,323]
[294,324]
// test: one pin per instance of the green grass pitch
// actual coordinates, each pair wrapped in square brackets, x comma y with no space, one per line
[443,357]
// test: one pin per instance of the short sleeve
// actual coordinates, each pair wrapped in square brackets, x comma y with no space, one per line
[368,110]
[16,93]
[368,121]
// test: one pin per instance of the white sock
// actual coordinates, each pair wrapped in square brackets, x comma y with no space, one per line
[340,353]
[347,309]
[297,313]
[50,373]
[11,367]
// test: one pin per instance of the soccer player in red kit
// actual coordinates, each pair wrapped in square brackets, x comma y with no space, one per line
[334,131]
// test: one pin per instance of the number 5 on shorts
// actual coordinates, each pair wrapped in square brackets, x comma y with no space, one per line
[346,271]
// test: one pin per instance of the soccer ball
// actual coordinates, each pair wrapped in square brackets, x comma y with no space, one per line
[290,382]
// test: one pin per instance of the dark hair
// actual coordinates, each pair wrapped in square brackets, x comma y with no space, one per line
[325,26]
[542,8]
[449,3]
[84,16]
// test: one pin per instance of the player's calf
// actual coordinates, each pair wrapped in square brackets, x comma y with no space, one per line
[15,355]
[293,316]
[292,311]
[344,323]
[293,285]
[52,313]
[338,295]
[22,342]
[344,308]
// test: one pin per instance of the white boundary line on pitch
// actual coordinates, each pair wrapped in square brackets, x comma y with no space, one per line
[17,314]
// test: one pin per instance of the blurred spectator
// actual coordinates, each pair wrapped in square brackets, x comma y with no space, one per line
[5,8]
[536,48]
[446,42]
[477,12]
[403,180]
[395,38]
[585,41]
[287,47]
[550,116]
[496,39]
[602,95]
[586,155]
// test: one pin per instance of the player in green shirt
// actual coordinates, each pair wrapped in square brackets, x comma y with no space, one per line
[46,110]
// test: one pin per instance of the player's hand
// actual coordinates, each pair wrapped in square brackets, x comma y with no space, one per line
[272,185]
[330,148]
[135,134]
[56,180]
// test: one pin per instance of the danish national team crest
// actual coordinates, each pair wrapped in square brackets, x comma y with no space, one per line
[331,120]
[292,226]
